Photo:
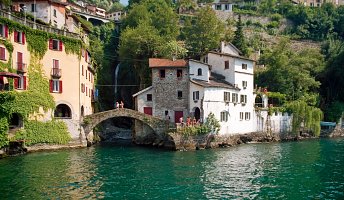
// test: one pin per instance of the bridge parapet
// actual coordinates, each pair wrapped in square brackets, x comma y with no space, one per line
[159,126]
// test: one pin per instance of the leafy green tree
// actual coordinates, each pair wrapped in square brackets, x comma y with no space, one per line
[212,123]
[239,38]
[291,73]
[186,6]
[339,22]
[204,34]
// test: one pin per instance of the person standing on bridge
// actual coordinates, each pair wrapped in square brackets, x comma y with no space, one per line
[117,105]
[121,105]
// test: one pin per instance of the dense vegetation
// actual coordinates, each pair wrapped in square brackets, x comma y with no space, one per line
[308,79]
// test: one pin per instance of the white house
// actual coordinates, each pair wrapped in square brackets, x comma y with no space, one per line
[223,5]
[222,84]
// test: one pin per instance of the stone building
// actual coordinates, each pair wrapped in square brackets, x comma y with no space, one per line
[168,96]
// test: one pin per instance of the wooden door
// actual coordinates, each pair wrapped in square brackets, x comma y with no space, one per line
[148,110]
[177,116]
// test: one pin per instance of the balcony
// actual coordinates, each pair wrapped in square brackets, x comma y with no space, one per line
[56,73]
[21,67]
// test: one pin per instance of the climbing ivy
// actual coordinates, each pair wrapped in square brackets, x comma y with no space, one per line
[305,117]
[35,132]
[38,40]
[9,47]
[28,104]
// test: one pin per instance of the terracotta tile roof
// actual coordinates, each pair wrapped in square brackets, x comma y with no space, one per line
[159,62]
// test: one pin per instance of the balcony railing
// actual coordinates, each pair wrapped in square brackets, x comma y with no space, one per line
[21,67]
[56,72]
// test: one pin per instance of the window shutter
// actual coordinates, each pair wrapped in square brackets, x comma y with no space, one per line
[24,80]
[2,53]
[193,96]
[86,91]
[6,31]
[60,86]
[51,86]
[60,45]
[82,70]
[86,56]
[16,83]
[50,43]
[15,36]
[23,37]
[56,64]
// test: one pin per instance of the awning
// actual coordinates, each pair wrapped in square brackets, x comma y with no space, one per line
[9,75]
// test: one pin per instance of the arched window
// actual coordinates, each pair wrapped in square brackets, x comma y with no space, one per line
[259,101]
[199,72]
[63,111]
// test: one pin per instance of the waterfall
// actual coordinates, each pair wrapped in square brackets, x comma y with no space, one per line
[116,77]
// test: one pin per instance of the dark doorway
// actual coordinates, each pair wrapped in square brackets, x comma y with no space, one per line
[82,111]
[197,113]
[62,111]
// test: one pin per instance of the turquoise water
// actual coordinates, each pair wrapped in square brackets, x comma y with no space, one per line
[311,169]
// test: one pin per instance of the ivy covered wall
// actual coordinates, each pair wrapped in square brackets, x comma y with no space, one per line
[27,104]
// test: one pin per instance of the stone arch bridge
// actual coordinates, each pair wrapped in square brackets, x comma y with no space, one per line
[159,126]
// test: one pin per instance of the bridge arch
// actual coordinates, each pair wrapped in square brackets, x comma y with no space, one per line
[159,126]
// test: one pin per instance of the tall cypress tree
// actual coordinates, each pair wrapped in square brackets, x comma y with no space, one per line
[239,38]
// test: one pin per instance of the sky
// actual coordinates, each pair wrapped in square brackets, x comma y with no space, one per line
[124,2]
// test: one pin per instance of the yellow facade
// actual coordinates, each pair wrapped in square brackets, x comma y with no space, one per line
[70,71]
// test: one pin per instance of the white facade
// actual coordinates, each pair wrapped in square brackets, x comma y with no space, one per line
[222,5]
[47,11]
[223,85]
[115,15]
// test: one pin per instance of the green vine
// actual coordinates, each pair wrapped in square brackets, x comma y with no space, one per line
[38,40]
[27,104]
[305,117]
[7,66]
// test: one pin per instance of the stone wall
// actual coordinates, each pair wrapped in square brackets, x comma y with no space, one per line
[166,92]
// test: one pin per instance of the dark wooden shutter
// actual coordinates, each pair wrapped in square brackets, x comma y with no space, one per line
[50,43]
[60,86]
[2,53]
[60,45]
[15,36]
[6,31]
[51,85]
[24,79]
[23,38]
[16,83]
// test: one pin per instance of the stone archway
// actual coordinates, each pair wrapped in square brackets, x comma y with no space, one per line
[16,121]
[159,126]
[259,101]
[63,111]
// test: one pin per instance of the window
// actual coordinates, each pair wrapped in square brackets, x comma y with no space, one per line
[224,116]
[247,115]
[244,66]
[226,64]
[82,70]
[235,98]
[227,96]
[2,53]
[226,7]
[218,7]
[3,31]
[86,73]
[149,97]
[205,59]
[179,73]
[241,115]
[33,7]
[199,72]
[56,64]
[20,83]
[54,12]
[243,99]
[162,73]
[55,86]
[180,94]
[19,37]
[55,45]
[195,95]
[244,84]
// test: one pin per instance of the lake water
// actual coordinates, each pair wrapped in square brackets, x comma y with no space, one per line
[312,169]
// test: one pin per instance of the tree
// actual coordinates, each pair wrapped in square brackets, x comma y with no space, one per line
[239,38]
[290,73]
[204,34]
